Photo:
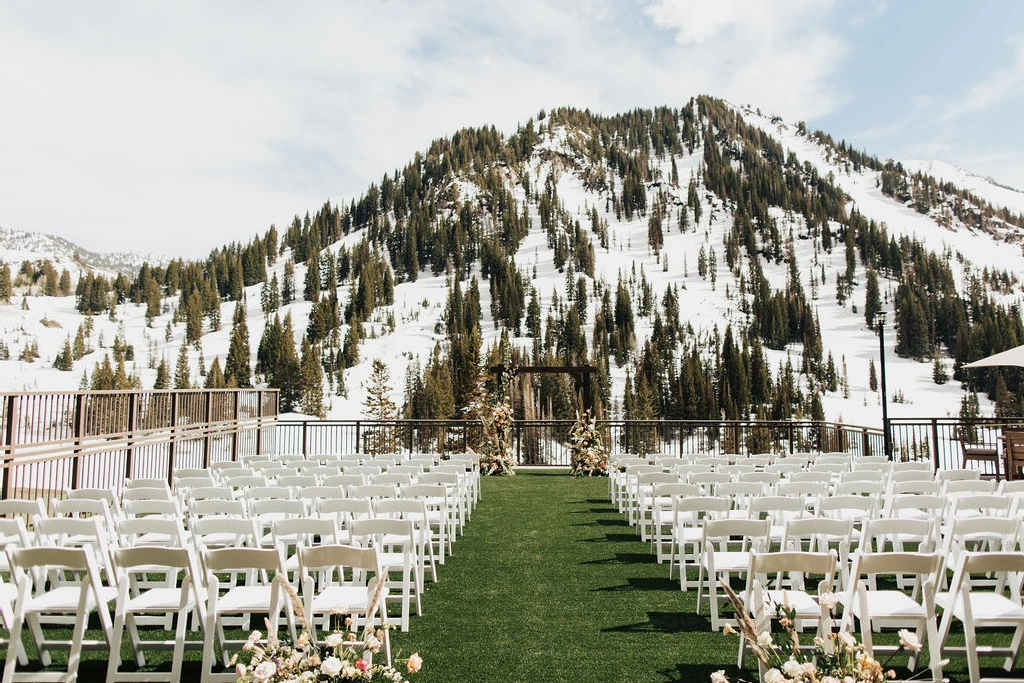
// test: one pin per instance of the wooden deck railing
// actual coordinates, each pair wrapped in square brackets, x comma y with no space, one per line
[63,440]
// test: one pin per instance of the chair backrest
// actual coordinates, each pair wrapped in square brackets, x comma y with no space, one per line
[736,529]
[224,532]
[821,564]
[24,508]
[151,530]
[987,504]
[297,482]
[266,493]
[299,531]
[776,508]
[816,477]
[210,493]
[239,559]
[914,487]
[147,493]
[878,533]
[215,506]
[817,532]
[145,507]
[957,474]
[923,564]
[969,486]
[379,531]
[860,488]
[675,488]
[373,491]
[344,480]
[912,466]
[990,533]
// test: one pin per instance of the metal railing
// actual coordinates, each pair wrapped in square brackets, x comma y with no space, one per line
[544,442]
[52,442]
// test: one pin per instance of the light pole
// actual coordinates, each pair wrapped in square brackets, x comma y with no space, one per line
[886,439]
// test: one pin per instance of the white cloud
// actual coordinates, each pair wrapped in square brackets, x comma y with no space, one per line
[996,88]
[180,127]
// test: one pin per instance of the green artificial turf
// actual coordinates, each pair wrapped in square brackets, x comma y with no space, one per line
[549,583]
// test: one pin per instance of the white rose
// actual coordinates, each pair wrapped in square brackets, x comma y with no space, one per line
[909,640]
[334,640]
[264,671]
[764,639]
[828,600]
[830,679]
[331,667]
[792,668]
[774,676]
[719,677]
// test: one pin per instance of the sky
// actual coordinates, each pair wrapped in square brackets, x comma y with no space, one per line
[176,128]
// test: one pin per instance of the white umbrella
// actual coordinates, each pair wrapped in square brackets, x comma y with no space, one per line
[1014,356]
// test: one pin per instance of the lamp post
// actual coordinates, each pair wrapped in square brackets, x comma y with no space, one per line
[887,440]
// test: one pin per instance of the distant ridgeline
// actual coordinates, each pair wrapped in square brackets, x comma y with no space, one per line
[465,207]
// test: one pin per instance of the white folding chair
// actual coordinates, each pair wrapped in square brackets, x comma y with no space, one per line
[726,546]
[892,608]
[415,511]
[435,497]
[762,601]
[76,598]
[256,593]
[689,514]
[984,609]
[133,567]
[342,580]
[396,544]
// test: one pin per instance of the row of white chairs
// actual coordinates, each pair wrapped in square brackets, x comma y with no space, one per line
[67,583]
[984,592]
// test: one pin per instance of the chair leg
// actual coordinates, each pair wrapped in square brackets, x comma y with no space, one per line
[16,624]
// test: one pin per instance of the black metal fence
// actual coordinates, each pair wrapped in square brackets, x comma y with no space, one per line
[545,442]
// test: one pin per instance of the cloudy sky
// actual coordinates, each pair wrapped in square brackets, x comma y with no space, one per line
[177,127]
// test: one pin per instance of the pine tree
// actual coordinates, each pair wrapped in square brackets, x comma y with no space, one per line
[182,379]
[237,372]
[286,373]
[163,375]
[288,284]
[939,374]
[312,381]
[6,288]
[64,359]
[872,299]
[379,407]
[215,376]
[872,376]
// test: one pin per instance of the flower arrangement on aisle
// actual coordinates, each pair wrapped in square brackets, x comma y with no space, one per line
[589,457]
[345,654]
[836,658]
[496,449]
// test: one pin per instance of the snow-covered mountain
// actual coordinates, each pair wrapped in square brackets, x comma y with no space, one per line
[21,245]
[573,169]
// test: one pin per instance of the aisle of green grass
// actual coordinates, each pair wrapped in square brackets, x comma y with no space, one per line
[550,584]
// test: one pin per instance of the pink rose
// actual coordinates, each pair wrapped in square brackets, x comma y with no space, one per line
[415,663]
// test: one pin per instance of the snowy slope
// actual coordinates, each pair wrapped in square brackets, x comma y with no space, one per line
[986,188]
[419,305]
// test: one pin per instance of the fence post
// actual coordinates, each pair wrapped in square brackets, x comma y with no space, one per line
[411,430]
[865,443]
[172,446]
[259,422]
[10,433]
[305,437]
[133,413]
[79,430]
[935,445]
[208,439]
[358,427]
[236,430]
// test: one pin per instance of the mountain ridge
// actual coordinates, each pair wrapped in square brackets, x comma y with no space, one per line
[533,214]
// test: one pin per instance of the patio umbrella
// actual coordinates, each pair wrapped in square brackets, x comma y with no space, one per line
[1014,356]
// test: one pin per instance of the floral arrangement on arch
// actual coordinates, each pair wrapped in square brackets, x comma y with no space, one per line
[836,658]
[346,655]
[589,457]
[496,449]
